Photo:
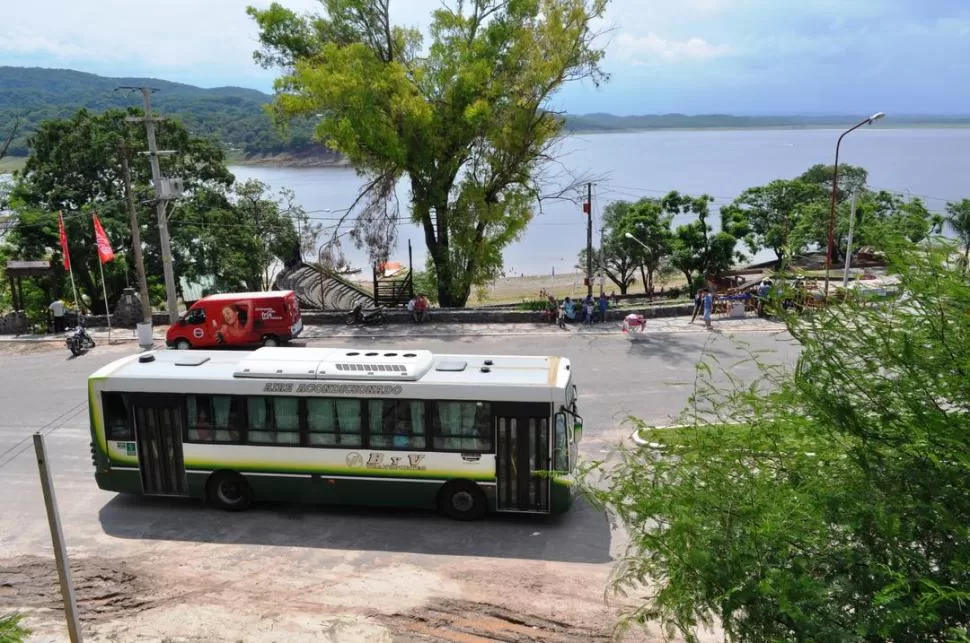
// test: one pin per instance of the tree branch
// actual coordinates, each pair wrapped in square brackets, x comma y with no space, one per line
[10,137]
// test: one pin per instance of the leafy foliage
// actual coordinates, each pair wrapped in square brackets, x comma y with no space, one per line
[697,250]
[648,220]
[465,121]
[826,503]
[958,217]
[11,629]
[75,167]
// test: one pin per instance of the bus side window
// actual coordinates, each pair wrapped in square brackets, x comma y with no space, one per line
[214,418]
[117,422]
[396,424]
[273,420]
[463,426]
[562,447]
[333,422]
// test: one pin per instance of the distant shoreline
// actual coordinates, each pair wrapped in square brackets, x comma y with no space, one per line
[335,161]
[284,160]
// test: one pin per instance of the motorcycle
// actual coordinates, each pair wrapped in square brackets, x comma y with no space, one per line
[78,341]
[358,316]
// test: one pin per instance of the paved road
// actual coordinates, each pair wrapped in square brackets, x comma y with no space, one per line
[173,568]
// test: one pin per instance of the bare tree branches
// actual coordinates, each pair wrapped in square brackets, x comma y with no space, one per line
[10,137]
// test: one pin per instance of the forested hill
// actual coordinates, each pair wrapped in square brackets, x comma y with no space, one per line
[235,115]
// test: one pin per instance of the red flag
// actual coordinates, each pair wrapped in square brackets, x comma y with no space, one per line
[105,253]
[62,234]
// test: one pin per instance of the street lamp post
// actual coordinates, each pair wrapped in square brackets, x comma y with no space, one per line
[835,187]
[629,235]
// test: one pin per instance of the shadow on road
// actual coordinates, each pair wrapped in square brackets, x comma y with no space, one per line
[581,535]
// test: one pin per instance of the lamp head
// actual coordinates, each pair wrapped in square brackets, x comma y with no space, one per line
[875,117]
[629,235]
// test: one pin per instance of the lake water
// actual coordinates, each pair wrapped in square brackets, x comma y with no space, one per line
[933,164]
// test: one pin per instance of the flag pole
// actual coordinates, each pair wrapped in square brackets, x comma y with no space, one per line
[67,258]
[107,308]
[104,285]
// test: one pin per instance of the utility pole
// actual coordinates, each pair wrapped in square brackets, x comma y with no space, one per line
[146,305]
[161,198]
[588,208]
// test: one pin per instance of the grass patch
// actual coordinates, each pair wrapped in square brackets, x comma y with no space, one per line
[11,629]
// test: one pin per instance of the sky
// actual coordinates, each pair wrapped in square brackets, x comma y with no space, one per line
[750,57]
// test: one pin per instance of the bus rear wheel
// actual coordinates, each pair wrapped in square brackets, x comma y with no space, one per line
[462,500]
[228,490]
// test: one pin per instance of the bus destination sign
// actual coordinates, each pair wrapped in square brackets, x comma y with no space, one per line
[307,388]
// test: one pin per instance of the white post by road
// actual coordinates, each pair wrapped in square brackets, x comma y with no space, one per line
[57,538]
[848,245]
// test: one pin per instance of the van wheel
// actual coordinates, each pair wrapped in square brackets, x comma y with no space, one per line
[182,344]
[271,340]
[462,500]
[228,490]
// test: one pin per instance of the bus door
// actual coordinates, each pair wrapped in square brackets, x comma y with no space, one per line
[522,456]
[158,434]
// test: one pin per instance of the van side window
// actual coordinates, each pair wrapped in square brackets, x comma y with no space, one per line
[117,421]
[195,316]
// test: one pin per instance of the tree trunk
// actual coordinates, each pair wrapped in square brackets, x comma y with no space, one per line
[646,282]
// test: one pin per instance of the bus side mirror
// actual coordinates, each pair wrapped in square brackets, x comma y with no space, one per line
[578,430]
[182,322]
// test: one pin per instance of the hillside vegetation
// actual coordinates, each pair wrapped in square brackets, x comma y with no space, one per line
[232,115]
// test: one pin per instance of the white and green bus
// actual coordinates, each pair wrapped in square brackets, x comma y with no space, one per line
[464,434]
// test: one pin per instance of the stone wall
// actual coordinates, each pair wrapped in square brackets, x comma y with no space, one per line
[14,323]
[485,316]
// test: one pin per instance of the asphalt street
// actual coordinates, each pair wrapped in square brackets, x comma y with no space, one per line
[650,377]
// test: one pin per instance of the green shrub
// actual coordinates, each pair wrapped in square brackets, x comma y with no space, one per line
[11,629]
[836,505]
[533,304]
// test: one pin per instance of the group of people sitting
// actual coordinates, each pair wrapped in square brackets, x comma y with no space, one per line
[418,308]
[589,310]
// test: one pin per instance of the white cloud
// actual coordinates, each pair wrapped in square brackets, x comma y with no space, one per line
[652,48]
[19,42]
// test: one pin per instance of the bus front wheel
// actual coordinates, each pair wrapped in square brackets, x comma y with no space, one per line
[462,500]
[228,490]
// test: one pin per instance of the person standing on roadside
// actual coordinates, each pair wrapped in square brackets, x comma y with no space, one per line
[708,302]
[58,309]
[603,304]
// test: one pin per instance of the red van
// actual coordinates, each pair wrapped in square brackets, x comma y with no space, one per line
[238,319]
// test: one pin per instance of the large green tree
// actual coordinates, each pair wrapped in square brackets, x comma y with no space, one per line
[463,117]
[696,250]
[75,167]
[241,239]
[774,214]
[825,502]
[648,221]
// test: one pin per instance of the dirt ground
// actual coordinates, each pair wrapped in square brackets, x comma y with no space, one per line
[135,601]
